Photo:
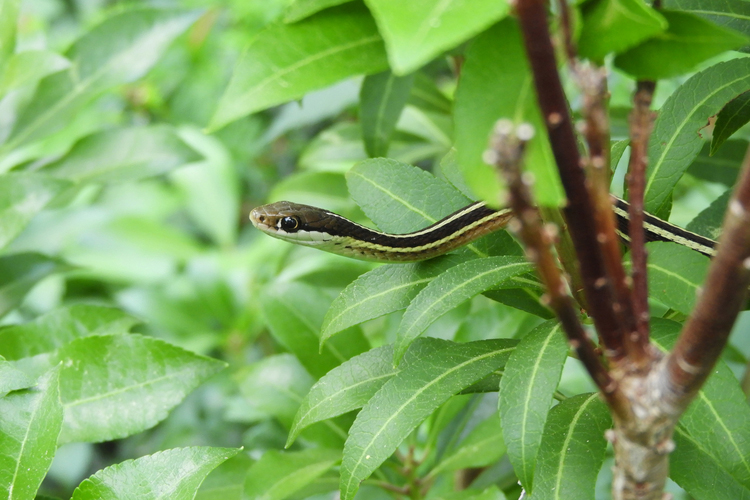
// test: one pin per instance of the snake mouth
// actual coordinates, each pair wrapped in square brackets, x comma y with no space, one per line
[260,219]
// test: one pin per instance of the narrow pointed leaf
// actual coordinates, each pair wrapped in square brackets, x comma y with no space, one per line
[675,274]
[294,312]
[526,389]
[496,59]
[382,98]
[123,154]
[119,50]
[30,423]
[417,31]
[730,119]
[408,398]
[279,474]
[717,423]
[61,326]
[286,61]
[116,385]
[345,388]
[572,449]
[352,384]
[22,196]
[167,475]
[383,290]
[675,141]
[452,288]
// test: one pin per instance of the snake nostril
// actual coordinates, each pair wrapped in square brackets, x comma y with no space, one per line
[262,218]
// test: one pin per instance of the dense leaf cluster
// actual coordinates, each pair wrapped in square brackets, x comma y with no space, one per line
[149,333]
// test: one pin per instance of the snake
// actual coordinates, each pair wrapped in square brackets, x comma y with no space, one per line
[318,228]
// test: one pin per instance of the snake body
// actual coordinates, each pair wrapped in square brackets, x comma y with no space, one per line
[319,228]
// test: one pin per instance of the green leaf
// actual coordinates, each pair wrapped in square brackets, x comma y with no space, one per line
[616,25]
[116,385]
[572,449]
[347,387]
[717,423]
[277,475]
[31,422]
[408,398]
[723,166]
[60,327]
[701,474]
[123,154]
[382,98]
[384,188]
[28,67]
[675,140]
[526,389]
[675,273]
[733,116]
[286,61]
[12,379]
[274,386]
[689,40]
[119,50]
[415,32]
[453,287]
[8,22]
[483,446]
[733,14]
[294,313]
[426,95]
[22,196]
[350,385]
[172,474]
[20,272]
[496,59]
[226,481]
[300,9]
[708,222]
[383,290]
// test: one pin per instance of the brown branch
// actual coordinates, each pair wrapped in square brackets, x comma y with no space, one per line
[506,155]
[641,123]
[723,295]
[579,210]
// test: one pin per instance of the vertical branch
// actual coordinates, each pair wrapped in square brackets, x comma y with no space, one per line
[579,211]
[641,123]
[707,329]
[592,81]
[506,155]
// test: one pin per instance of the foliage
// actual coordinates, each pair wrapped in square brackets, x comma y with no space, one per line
[149,332]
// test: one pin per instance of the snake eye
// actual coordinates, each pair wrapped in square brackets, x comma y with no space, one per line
[288,223]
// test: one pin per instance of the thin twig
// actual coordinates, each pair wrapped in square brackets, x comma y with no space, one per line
[723,295]
[641,123]
[579,211]
[506,154]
